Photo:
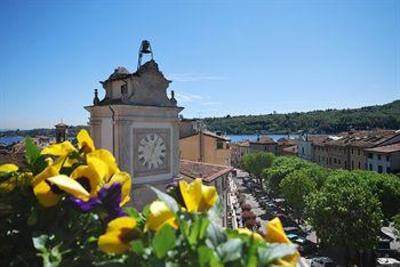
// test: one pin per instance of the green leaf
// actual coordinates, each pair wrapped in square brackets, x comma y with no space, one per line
[230,250]
[164,240]
[215,235]
[51,257]
[33,218]
[132,212]
[167,199]
[137,246]
[274,252]
[39,242]
[32,152]
[198,229]
[214,214]
[206,256]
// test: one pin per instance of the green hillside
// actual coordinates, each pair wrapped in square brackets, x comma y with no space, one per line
[328,121]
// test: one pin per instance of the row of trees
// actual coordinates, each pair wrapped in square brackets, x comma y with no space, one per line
[345,208]
[327,121]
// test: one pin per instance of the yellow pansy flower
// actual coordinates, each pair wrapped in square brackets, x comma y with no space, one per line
[70,186]
[52,169]
[46,195]
[48,185]
[89,177]
[276,234]
[9,184]
[254,235]
[107,158]
[60,150]
[159,215]
[198,197]
[8,167]
[119,233]
[126,183]
[85,142]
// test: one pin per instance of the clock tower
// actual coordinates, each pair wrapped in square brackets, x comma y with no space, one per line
[138,123]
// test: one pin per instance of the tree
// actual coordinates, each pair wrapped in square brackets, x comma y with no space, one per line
[295,187]
[255,163]
[281,167]
[387,188]
[345,213]
[396,221]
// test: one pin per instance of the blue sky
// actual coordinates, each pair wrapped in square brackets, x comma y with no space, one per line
[224,57]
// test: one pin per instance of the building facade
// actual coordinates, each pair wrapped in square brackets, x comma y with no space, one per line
[384,159]
[238,150]
[348,150]
[205,146]
[215,175]
[263,144]
[138,122]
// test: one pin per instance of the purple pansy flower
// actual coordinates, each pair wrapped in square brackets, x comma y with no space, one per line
[107,199]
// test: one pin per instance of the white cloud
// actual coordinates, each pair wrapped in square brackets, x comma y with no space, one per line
[185,98]
[191,77]
[211,103]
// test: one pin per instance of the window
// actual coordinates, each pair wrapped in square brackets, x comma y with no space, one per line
[379,157]
[380,169]
[339,161]
[359,152]
[319,158]
[302,150]
[352,165]
[334,160]
[220,145]
[370,156]
[359,165]
[352,151]
[370,167]
[124,89]
[388,170]
[387,158]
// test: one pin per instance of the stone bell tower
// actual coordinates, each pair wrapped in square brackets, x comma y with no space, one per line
[138,122]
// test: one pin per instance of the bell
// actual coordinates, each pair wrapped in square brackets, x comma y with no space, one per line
[146,49]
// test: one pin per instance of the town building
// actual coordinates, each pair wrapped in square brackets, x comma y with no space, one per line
[263,144]
[362,140]
[61,132]
[384,159]
[238,150]
[205,146]
[138,122]
[347,150]
[305,145]
[287,147]
[211,175]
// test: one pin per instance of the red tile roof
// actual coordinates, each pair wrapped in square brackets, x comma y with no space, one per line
[385,149]
[211,134]
[207,171]
[263,140]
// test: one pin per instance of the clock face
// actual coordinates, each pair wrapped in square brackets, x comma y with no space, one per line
[152,151]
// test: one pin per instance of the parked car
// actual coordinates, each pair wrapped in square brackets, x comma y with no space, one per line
[306,247]
[322,262]
[387,262]
[292,230]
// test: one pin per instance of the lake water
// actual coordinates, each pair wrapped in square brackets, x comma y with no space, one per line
[8,140]
[234,138]
[253,137]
